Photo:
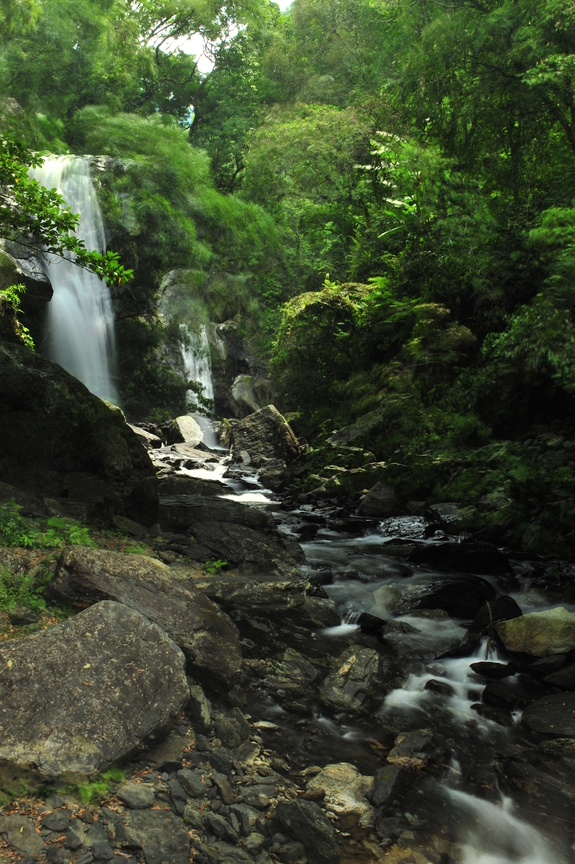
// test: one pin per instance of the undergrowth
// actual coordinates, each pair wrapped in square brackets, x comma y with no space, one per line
[55,532]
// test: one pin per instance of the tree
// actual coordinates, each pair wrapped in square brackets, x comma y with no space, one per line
[38,218]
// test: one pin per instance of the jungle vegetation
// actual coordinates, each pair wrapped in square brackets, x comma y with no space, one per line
[380,192]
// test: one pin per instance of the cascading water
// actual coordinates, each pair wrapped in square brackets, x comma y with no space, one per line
[80,331]
[197,363]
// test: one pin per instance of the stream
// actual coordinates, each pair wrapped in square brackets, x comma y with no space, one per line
[460,808]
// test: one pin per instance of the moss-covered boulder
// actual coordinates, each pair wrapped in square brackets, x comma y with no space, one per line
[60,442]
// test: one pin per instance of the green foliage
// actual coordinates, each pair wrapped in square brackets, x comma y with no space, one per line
[213,565]
[10,299]
[55,532]
[100,788]
[21,590]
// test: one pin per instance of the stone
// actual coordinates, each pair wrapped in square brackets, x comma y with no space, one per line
[122,677]
[273,474]
[459,596]
[197,625]
[553,715]
[412,749]
[452,518]
[479,558]
[495,714]
[265,435]
[29,504]
[379,501]
[357,680]
[182,513]
[493,670]
[254,843]
[225,790]
[389,782]
[305,822]
[199,710]
[190,431]
[74,835]
[57,821]
[221,760]
[182,484]
[564,678]
[500,695]
[292,853]
[247,817]
[254,594]
[547,665]
[128,526]
[440,687]
[61,442]
[148,439]
[292,673]
[504,608]
[20,833]
[21,616]
[193,782]
[539,633]
[164,837]
[220,827]
[346,793]
[136,796]
[231,728]
[102,851]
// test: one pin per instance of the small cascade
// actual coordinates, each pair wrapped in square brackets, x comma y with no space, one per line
[80,319]
[197,364]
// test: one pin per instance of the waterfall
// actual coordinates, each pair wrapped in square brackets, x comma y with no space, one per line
[80,320]
[197,363]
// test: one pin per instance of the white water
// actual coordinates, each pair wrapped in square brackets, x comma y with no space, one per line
[80,320]
[197,363]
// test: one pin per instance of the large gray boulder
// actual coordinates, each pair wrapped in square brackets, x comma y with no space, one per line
[65,445]
[265,435]
[167,598]
[83,694]
[540,633]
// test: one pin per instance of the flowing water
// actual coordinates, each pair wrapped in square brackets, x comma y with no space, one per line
[80,326]
[197,364]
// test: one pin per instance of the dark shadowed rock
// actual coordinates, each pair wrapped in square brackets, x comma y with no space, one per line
[459,596]
[164,837]
[251,550]
[306,823]
[184,512]
[198,626]
[505,608]
[564,678]
[60,442]
[480,558]
[379,501]
[358,679]
[84,693]
[552,715]
[265,435]
[389,782]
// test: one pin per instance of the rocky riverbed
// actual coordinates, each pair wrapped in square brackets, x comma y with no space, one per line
[288,679]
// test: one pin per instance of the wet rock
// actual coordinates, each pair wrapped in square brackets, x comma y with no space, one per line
[379,501]
[20,833]
[459,596]
[265,435]
[359,678]
[220,827]
[387,829]
[540,633]
[479,558]
[553,715]
[111,663]
[184,485]
[547,665]
[500,695]
[306,823]
[61,442]
[452,518]
[497,715]
[205,633]
[163,836]
[564,678]
[440,687]
[136,796]
[292,673]
[251,595]
[346,793]
[199,710]
[251,550]
[389,782]
[273,474]
[494,670]
[184,512]
[370,624]
[504,608]
[421,639]
[412,749]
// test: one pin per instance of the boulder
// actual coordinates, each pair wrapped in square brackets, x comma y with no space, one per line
[181,513]
[423,637]
[504,608]
[20,833]
[60,442]
[198,626]
[459,596]
[379,501]
[265,435]
[553,715]
[242,546]
[190,431]
[184,485]
[306,823]
[148,439]
[346,793]
[389,783]
[539,633]
[564,679]
[83,694]
[412,749]
[357,681]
